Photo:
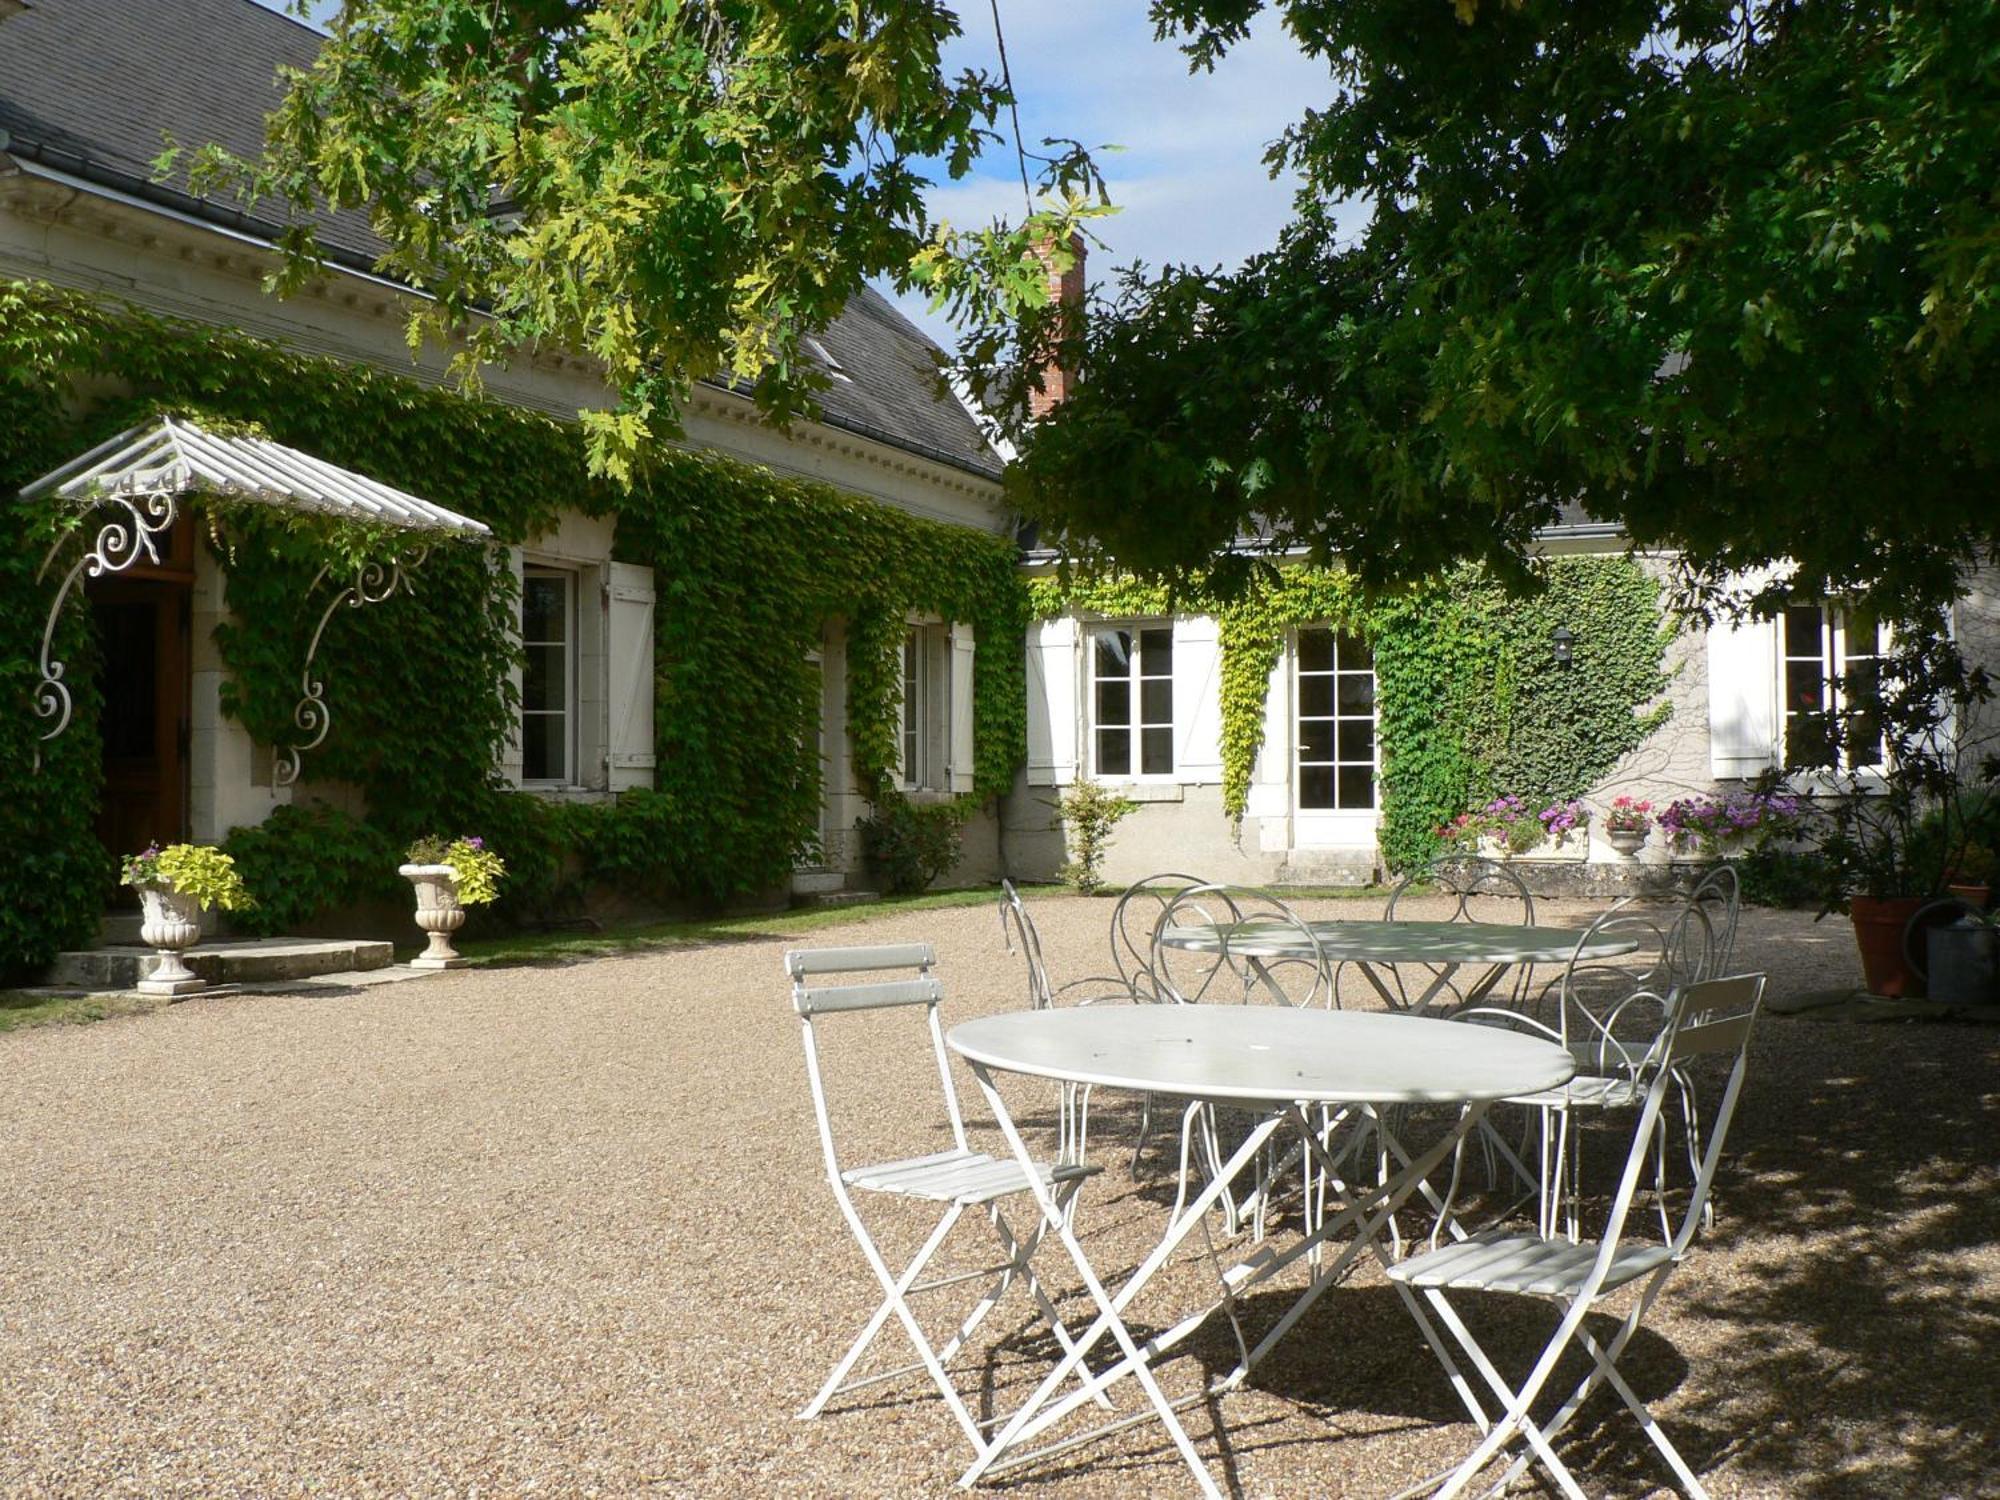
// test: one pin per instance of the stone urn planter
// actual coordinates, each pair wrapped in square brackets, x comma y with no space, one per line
[170,922]
[438,913]
[1627,841]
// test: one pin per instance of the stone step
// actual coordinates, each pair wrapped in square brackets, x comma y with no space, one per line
[817,882]
[259,961]
[839,898]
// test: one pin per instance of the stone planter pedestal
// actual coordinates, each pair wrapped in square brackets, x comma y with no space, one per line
[438,913]
[1627,841]
[171,922]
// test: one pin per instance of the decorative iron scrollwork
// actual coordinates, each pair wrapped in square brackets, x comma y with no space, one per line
[373,583]
[120,542]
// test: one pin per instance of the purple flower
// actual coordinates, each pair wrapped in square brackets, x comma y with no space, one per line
[476,843]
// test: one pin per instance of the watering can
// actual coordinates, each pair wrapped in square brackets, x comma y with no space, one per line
[1961,958]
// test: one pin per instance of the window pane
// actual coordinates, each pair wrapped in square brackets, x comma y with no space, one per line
[1357,740]
[544,748]
[1357,693]
[1864,634]
[1114,703]
[1114,752]
[1114,654]
[1803,630]
[543,678]
[1355,654]
[1315,740]
[1316,786]
[1156,752]
[1156,700]
[1156,652]
[1315,650]
[543,617]
[1316,697]
[1357,787]
[1808,740]
[1804,685]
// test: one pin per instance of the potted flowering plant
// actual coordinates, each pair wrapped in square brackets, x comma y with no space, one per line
[1561,819]
[448,877]
[1627,823]
[1737,820]
[1503,826]
[174,884]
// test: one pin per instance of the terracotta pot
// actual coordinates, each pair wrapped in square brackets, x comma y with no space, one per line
[438,913]
[1973,893]
[1878,933]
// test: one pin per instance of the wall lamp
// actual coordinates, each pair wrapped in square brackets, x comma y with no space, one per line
[1563,639]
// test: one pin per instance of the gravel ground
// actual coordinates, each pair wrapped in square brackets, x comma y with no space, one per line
[563,1230]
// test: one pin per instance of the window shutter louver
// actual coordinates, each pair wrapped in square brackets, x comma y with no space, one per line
[630,632]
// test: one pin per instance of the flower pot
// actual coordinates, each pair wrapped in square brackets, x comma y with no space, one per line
[170,922]
[1878,933]
[1627,841]
[438,913]
[1973,893]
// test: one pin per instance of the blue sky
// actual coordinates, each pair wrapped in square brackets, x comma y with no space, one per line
[1190,183]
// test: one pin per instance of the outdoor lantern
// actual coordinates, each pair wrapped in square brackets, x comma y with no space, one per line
[1562,638]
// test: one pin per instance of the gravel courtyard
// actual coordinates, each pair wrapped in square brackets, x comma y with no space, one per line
[564,1230]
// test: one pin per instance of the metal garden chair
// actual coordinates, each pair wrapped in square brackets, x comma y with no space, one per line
[1017,928]
[1710,1018]
[1480,890]
[1249,947]
[953,1180]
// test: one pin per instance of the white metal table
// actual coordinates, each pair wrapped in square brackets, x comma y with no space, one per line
[1275,1064]
[1444,946]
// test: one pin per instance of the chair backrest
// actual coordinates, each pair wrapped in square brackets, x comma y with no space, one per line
[1134,920]
[1017,928]
[1712,1017]
[1252,947]
[814,999]
[1612,1012]
[1480,890]
[1718,895]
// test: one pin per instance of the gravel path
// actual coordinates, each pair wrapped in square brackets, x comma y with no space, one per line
[563,1230]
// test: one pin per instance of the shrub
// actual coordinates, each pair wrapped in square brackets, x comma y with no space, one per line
[302,862]
[1089,813]
[1782,877]
[908,846]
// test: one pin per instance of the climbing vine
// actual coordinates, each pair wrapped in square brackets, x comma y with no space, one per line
[749,567]
[1469,698]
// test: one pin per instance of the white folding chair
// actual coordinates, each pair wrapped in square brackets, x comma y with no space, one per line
[955,1180]
[1711,1017]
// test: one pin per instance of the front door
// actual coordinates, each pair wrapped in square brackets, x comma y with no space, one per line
[142,618]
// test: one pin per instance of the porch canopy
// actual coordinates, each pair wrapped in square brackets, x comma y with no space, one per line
[139,476]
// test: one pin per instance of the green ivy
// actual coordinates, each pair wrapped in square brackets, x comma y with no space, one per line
[749,567]
[1470,700]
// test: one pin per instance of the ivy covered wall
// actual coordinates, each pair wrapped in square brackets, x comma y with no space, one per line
[748,566]
[1470,701]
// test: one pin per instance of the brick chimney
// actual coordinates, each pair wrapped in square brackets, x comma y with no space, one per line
[1066,290]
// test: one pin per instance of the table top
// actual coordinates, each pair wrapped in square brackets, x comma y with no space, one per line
[1265,1054]
[1403,942]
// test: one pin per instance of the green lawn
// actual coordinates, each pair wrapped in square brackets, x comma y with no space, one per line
[19,1011]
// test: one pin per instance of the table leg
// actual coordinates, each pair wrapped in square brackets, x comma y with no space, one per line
[1038,1413]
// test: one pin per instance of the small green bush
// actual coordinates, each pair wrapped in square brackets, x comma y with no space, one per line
[908,846]
[302,862]
[1089,813]
[1774,876]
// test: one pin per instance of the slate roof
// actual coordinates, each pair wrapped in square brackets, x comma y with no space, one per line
[90,87]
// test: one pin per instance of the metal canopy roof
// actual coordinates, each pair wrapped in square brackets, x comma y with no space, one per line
[174,457]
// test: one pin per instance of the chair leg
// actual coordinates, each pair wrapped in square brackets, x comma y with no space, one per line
[1515,1419]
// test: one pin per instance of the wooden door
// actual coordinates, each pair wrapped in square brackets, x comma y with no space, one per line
[143,619]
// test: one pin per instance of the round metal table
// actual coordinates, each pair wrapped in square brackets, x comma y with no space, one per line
[1278,1064]
[1444,947]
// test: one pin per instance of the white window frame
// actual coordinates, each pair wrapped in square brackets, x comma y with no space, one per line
[1299,719]
[913,747]
[573,619]
[1833,661]
[1135,677]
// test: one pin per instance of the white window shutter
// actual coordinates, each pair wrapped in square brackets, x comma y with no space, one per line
[1197,699]
[1052,702]
[958,699]
[630,594]
[1743,718]
[1270,795]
